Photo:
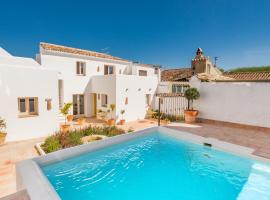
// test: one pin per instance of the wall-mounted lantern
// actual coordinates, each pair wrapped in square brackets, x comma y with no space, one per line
[49,103]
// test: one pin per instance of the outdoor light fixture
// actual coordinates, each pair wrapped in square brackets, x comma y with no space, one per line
[139,89]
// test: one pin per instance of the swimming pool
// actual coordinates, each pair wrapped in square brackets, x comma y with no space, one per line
[158,166]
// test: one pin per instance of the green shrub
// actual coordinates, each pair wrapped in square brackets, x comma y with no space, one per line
[130,130]
[71,139]
[51,144]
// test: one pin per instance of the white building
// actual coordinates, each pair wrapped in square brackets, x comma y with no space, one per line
[29,97]
[90,80]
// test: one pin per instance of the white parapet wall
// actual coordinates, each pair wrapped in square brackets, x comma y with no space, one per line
[19,82]
[237,102]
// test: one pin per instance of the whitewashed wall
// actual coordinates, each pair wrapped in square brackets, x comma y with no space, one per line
[120,87]
[135,89]
[237,102]
[28,82]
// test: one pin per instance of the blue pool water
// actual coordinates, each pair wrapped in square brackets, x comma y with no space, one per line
[160,168]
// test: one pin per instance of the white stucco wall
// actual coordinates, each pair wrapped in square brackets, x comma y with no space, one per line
[238,102]
[17,81]
[96,82]
[135,88]
[77,84]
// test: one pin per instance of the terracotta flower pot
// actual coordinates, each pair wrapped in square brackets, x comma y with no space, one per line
[70,118]
[2,138]
[122,122]
[81,121]
[65,128]
[191,115]
[111,122]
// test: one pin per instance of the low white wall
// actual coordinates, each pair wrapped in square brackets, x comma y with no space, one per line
[18,82]
[237,102]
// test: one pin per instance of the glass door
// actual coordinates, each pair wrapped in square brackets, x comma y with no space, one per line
[78,104]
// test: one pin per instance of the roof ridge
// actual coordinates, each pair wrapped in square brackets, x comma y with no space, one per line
[67,49]
[246,72]
[75,48]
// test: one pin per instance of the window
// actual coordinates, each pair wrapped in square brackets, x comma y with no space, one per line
[148,99]
[81,68]
[104,100]
[142,73]
[156,70]
[179,88]
[108,69]
[28,106]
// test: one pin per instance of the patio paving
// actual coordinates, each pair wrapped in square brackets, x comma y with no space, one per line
[257,139]
[11,153]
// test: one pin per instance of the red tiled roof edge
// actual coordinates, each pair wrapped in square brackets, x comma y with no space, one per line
[249,76]
[65,49]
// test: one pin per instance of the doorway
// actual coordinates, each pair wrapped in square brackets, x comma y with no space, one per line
[78,104]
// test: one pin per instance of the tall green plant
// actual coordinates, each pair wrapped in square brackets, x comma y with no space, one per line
[112,107]
[122,113]
[65,110]
[191,94]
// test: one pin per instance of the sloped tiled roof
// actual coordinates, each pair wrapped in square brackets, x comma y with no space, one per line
[248,76]
[176,74]
[210,77]
[64,49]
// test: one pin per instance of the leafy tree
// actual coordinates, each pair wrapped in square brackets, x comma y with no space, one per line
[191,94]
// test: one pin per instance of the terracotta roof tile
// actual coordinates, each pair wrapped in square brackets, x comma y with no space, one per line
[64,49]
[249,76]
[176,74]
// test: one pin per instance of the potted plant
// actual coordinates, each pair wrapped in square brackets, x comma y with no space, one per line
[191,94]
[122,121]
[111,121]
[65,110]
[2,132]
[70,117]
[81,121]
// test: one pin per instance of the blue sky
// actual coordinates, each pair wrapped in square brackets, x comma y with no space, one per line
[158,32]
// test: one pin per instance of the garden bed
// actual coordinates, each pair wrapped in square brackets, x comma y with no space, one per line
[73,138]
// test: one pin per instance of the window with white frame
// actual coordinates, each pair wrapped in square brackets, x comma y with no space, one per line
[81,68]
[179,88]
[104,100]
[108,69]
[142,73]
[148,99]
[28,106]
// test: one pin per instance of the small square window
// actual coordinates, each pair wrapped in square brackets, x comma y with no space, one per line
[108,69]
[28,106]
[142,73]
[104,100]
[81,68]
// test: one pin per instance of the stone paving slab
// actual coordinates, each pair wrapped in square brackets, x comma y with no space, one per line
[252,138]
